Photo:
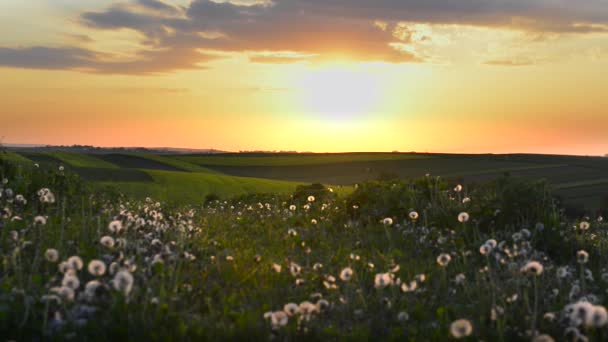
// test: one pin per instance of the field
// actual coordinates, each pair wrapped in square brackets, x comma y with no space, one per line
[415,260]
[579,181]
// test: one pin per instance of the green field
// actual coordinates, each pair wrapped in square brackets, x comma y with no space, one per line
[193,187]
[293,159]
[180,178]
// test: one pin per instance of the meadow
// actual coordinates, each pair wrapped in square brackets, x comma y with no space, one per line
[417,259]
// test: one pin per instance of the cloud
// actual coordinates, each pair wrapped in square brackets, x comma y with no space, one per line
[149,62]
[40,57]
[510,62]
[186,37]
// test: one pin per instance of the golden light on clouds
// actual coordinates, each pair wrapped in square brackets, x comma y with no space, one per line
[330,75]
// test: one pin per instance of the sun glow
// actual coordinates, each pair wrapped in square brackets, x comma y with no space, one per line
[340,91]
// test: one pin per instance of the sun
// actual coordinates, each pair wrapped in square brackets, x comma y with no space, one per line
[339,91]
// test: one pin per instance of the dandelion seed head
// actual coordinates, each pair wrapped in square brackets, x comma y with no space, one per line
[107,241]
[533,268]
[51,255]
[75,262]
[382,280]
[413,215]
[444,259]
[461,328]
[97,268]
[582,257]
[291,309]
[463,217]
[40,220]
[346,274]
[123,282]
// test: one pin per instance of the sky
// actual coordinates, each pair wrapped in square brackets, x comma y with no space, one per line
[471,76]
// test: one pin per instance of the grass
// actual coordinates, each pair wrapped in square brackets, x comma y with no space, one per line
[82,160]
[181,187]
[14,157]
[358,267]
[175,162]
[294,160]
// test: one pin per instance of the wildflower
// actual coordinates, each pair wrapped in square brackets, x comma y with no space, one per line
[292,207]
[291,309]
[294,269]
[46,196]
[460,278]
[107,241]
[229,258]
[582,257]
[278,319]
[123,282]
[97,268]
[562,272]
[466,200]
[599,317]
[584,225]
[485,249]
[317,266]
[277,268]
[387,221]
[40,220]
[492,243]
[346,274]
[458,188]
[383,280]
[257,258]
[534,268]
[313,221]
[463,217]
[51,255]
[311,199]
[292,232]
[115,226]
[444,259]
[549,316]
[90,289]
[403,316]
[71,281]
[66,293]
[61,168]
[580,312]
[413,215]
[461,328]
[307,308]
[75,262]
[409,288]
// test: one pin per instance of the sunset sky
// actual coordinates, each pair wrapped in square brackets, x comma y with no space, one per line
[308,75]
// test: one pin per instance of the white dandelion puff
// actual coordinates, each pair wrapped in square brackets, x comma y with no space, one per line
[346,274]
[123,282]
[97,268]
[461,328]
[443,259]
[463,217]
[51,255]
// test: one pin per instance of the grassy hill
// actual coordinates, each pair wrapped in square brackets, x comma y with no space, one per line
[578,180]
